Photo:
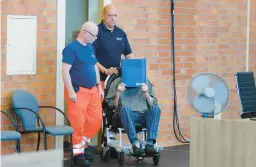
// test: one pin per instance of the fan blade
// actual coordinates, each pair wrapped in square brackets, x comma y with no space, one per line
[204,105]
[199,83]
[221,92]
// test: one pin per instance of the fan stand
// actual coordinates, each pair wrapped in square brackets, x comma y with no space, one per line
[217,111]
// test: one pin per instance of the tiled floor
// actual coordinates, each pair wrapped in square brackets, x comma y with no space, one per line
[176,156]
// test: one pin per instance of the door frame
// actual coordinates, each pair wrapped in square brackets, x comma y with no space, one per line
[61,25]
[61,28]
[248,35]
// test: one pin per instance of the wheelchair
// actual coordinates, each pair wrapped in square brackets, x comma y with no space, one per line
[111,126]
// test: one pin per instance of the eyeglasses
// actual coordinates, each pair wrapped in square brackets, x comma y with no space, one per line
[95,36]
[112,15]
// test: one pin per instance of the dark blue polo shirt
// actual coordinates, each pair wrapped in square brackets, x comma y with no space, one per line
[82,58]
[110,46]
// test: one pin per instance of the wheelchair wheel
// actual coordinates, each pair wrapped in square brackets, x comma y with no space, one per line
[121,158]
[105,157]
[156,159]
[113,153]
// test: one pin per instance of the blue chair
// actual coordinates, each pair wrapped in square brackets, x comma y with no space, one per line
[11,135]
[26,107]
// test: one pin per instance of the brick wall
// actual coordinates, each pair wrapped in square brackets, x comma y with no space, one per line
[210,37]
[42,85]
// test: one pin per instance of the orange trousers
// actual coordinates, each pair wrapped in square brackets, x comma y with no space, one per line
[85,117]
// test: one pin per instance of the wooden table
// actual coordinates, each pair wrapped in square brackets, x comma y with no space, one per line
[222,143]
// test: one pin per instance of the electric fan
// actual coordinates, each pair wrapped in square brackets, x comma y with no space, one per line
[208,94]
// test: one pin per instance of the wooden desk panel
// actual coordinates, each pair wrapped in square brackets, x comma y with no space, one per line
[222,143]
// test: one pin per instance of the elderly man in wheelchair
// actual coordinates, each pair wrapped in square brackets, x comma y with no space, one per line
[137,111]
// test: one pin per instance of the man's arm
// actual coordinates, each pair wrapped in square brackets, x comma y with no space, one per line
[129,56]
[149,94]
[106,71]
[67,80]
[101,92]
[127,51]
[116,99]
[120,90]
[66,76]
[101,67]
[97,74]
[149,99]
[114,93]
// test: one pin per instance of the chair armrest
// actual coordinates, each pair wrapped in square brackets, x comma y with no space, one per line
[59,111]
[13,122]
[38,116]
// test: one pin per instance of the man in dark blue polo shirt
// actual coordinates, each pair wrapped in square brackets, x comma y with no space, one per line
[111,43]
[82,90]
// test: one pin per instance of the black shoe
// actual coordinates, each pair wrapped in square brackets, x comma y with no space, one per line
[81,161]
[88,155]
[150,150]
[138,152]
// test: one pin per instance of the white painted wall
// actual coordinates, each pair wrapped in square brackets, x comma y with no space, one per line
[61,21]
[106,2]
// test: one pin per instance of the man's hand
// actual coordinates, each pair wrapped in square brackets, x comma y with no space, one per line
[101,92]
[144,88]
[72,96]
[111,71]
[121,87]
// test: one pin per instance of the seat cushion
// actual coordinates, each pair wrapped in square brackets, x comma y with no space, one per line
[140,126]
[10,135]
[35,129]
[59,130]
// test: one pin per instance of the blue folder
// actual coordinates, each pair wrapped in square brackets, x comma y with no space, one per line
[134,72]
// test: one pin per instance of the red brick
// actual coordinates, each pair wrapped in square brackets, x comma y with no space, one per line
[43,84]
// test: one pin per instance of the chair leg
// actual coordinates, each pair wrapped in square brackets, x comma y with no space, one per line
[45,141]
[71,150]
[38,142]
[146,137]
[18,146]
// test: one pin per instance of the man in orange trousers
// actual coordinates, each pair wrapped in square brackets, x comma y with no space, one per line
[83,91]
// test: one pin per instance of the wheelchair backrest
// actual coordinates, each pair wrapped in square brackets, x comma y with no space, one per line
[111,79]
